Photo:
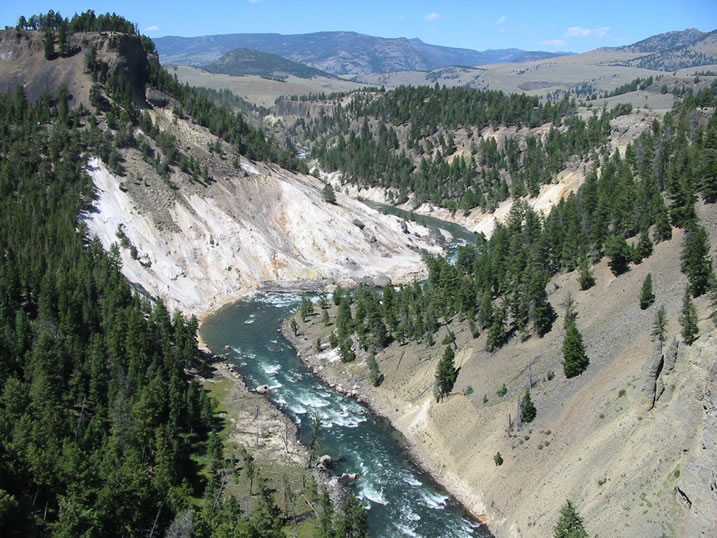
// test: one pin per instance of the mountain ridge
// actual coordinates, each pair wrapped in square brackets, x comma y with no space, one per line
[244,61]
[338,53]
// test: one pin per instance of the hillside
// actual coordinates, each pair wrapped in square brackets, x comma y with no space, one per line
[337,53]
[566,355]
[240,62]
[666,41]
[631,469]
[603,69]
[125,188]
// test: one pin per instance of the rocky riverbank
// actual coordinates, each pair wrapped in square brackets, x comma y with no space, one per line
[256,424]
[630,469]
[326,365]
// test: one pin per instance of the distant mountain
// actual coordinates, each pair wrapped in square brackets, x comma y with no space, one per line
[239,62]
[535,55]
[673,50]
[338,53]
[666,41]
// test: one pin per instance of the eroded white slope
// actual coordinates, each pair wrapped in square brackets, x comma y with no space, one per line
[214,246]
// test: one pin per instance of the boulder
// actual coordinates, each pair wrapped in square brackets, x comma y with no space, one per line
[155,97]
[358,223]
[382,281]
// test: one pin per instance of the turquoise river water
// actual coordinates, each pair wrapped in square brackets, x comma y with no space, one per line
[401,499]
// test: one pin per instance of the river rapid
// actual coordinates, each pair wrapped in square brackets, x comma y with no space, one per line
[401,499]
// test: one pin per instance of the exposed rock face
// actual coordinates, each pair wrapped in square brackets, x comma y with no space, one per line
[697,486]
[199,247]
[155,97]
[652,372]
[23,63]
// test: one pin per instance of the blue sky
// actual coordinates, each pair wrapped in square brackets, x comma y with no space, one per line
[573,26]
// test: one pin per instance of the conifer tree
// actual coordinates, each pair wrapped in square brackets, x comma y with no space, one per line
[49,45]
[570,524]
[619,253]
[344,320]
[647,296]
[445,373]
[644,245]
[375,374]
[329,195]
[575,361]
[586,277]
[659,326]
[695,258]
[688,318]
[708,164]
[527,409]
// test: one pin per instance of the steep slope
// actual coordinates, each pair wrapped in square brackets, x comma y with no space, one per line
[335,52]
[199,247]
[631,469]
[23,63]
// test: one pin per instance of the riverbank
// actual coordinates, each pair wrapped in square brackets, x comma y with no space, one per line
[253,423]
[327,366]
[630,469]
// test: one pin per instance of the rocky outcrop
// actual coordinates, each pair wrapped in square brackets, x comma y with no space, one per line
[652,372]
[697,487]
[657,368]
[23,63]
[156,98]
[199,247]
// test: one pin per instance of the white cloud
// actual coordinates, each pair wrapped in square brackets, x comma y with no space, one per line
[553,42]
[152,28]
[501,20]
[579,31]
[432,17]
[254,1]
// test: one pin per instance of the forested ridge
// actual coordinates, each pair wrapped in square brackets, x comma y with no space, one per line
[104,428]
[500,284]
[424,161]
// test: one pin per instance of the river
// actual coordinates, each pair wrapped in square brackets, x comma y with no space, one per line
[401,499]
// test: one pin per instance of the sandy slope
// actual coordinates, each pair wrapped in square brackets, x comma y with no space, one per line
[200,249]
[629,470]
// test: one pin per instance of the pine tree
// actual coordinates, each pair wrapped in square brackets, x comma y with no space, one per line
[708,164]
[344,320]
[696,263]
[619,253]
[49,45]
[688,318]
[586,277]
[570,524]
[647,296]
[352,523]
[445,373]
[329,194]
[375,374]
[575,361]
[527,409]
[644,245]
